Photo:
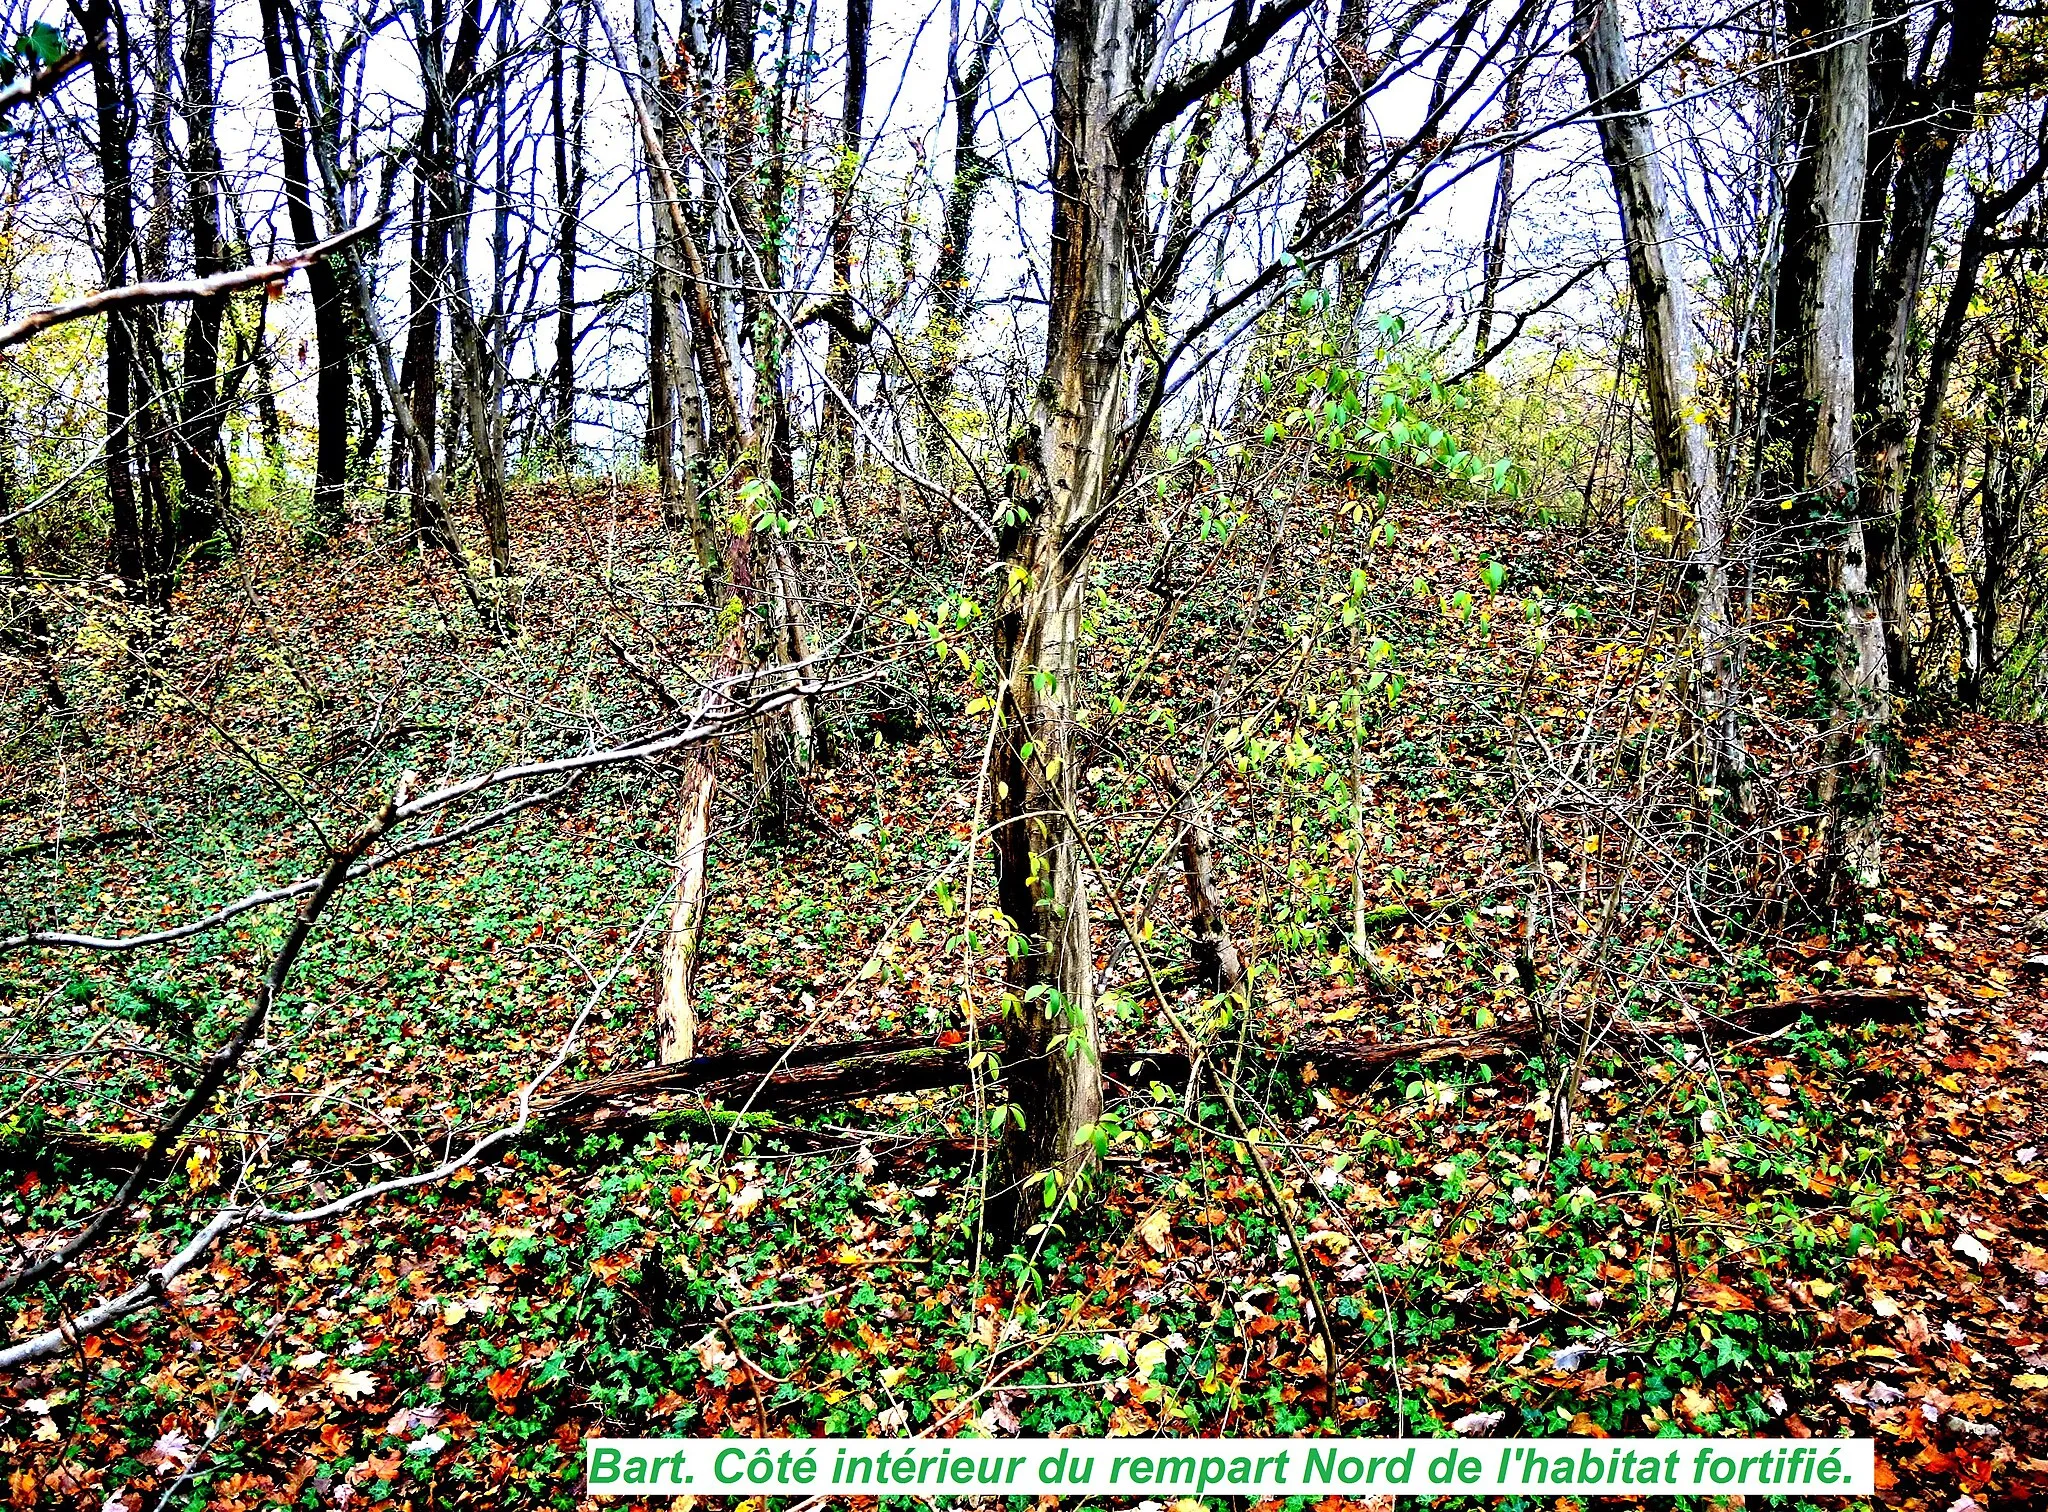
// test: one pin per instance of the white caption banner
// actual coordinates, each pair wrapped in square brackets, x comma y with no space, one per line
[1255,1467]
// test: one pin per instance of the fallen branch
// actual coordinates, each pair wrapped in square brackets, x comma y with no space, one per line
[822,1076]
[87,840]
[130,295]
[814,1078]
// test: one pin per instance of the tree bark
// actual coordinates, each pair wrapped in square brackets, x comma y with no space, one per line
[952,297]
[1904,184]
[697,343]
[330,315]
[202,476]
[1104,122]
[114,122]
[842,356]
[1823,240]
[1685,453]
[571,174]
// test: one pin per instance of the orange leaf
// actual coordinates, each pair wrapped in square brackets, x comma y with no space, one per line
[505,1386]
[1722,1298]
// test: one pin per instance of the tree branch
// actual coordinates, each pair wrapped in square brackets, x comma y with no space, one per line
[33,86]
[1135,133]
[108,300]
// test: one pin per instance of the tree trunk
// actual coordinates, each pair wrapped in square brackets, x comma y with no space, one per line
[952,297]
[1824,237]
[1500,213]
[675,1014]
[1104,122]
[2002,504]
[113,120]
[786,741]
[1915,490]
[330,315]
[842,356]
[1912,161]
[203,482]
[1685,455]
[1214,955]
[1052,1057]
[34,638]
[1346,79]
[570,177]
[672,418]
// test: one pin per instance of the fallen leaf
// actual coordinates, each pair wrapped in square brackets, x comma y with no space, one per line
[1156,1229]
[504,1387]
[352,1384]
[1723,1298]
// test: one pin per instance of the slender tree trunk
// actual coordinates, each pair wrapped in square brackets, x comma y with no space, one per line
[114,123]
[842,356]
[1104,124]
[785,741]
[570,177]
[2002,504]
[330,313]
[156,429]
[1500,214]
[663,307]
[1685,454]
[1915,489]
[34,638]
[202,517]
[952,295]
[1912,162]
[421,340]
[744,237]
[153,257]
[1346,77]
[1852,780]
[1215,958]
[1052,1062]
[698,342]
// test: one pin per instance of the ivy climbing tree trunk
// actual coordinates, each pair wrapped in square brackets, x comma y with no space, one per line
[1821,237]
[1109,104]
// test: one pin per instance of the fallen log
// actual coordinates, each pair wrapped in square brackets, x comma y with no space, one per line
[715,1090]
[831,1075]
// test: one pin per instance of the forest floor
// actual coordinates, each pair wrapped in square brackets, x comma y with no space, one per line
[1834,1228]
